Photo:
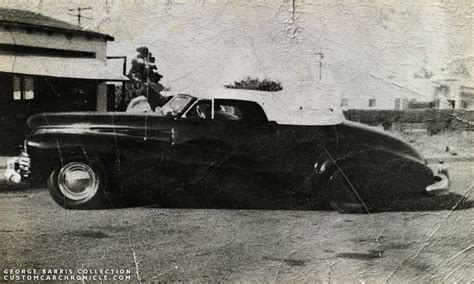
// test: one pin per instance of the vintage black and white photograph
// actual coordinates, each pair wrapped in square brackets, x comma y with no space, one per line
[254,141]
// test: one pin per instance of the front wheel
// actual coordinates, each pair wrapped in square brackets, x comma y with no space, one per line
[78,185]
[343,197]
[366,188]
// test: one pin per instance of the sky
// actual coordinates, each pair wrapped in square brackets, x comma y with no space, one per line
[368,46]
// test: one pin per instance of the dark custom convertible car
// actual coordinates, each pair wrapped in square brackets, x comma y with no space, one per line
[232,148]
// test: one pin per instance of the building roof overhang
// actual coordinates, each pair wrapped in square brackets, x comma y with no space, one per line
[29,27]
[466,83]
[31,21]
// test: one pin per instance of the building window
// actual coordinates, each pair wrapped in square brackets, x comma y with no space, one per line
[371,102]
[344,102]
[23,88]
[397,103]
[452,103]
[464,104]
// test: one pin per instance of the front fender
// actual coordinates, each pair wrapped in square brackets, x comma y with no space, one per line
[377,165]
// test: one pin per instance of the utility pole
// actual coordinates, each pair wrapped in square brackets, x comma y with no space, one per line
[78,14]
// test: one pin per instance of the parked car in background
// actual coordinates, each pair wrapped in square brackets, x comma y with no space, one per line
[230,148]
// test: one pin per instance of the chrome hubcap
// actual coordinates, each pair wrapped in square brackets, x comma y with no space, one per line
[77,181]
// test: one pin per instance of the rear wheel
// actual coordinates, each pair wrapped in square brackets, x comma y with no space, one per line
[78,185]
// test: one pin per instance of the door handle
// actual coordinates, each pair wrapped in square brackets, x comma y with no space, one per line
[174,136]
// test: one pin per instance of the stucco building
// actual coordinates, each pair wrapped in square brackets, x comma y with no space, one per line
[47,65]
[454,94]
[384,94]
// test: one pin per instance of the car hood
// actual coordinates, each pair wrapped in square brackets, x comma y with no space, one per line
[355,136]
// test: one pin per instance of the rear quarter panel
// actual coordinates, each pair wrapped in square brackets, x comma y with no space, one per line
[116,152]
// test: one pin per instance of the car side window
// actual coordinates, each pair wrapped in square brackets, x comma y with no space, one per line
[200,110]
[236,110]
[227,112]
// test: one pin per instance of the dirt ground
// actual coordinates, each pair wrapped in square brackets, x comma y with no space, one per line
[455,143]
[427,243]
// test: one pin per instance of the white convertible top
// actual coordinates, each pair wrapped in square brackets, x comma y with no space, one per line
[283,108]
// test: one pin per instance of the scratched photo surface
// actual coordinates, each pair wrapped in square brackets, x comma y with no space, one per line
[237,141]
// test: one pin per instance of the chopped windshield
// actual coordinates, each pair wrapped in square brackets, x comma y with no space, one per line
[175,106]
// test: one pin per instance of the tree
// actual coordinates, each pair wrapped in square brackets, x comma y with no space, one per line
[145,78]
[255,84]
[423,73]
[144,67]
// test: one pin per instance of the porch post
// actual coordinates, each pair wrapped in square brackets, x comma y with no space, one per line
[101,97]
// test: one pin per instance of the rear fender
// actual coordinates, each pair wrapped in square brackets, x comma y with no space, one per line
[49,151]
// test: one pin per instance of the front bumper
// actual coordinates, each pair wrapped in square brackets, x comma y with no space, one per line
[18,168]
[442,183]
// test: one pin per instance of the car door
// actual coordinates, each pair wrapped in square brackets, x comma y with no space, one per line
[220,144]
[248,160]
[252,139]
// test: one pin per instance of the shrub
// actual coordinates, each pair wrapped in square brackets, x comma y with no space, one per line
[255,84]
[436,120]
